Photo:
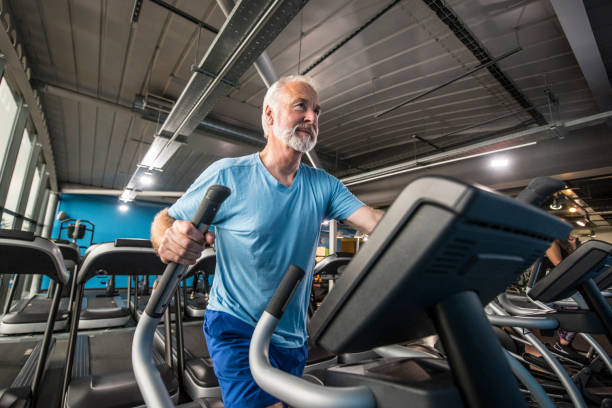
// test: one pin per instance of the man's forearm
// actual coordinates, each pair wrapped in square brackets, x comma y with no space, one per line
[161,223]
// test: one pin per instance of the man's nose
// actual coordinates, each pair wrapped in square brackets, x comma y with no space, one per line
[310,116]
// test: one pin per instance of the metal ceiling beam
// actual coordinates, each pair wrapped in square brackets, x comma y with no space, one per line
[577,28]
[78,189]
[553,130]
[583,151]
[463,34]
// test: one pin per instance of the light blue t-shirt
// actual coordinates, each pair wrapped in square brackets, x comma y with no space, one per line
[262,228]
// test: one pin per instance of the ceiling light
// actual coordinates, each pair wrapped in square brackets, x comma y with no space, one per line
[160,151]
[325,222]
[124,207]
[499,162]
[568,191]
[365,238]
[582,223]
[127,196]
[555,205]
[146,179]
[573,209]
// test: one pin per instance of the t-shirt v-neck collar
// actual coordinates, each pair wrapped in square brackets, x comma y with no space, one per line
[273,179]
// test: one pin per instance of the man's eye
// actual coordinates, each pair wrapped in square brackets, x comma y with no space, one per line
[300,106]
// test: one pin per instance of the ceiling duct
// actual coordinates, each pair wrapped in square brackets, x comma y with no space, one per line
[248,31]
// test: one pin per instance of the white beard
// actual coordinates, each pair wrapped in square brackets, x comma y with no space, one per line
[291,139]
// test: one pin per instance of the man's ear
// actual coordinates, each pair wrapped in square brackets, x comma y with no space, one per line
[269,115]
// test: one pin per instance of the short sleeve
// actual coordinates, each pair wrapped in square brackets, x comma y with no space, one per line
[186,206]
[342,203]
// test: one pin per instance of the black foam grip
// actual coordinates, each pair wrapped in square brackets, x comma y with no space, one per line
[285,291]
[215,195]
[539,190]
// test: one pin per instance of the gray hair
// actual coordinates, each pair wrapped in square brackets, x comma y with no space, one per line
[272,94]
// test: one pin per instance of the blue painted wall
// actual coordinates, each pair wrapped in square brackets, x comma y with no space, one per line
[110,223]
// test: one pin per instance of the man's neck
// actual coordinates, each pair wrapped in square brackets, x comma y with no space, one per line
[281,161]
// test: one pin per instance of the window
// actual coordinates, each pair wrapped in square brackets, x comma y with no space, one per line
[8,110]
[21,166]
[32,200]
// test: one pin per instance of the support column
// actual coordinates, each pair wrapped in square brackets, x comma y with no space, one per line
[50,216]
[40,217]
[27,184]
[333,232]
[40,196]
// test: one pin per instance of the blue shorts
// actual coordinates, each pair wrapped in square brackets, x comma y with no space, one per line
[228,339]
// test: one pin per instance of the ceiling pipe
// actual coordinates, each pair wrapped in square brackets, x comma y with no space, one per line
[265,69]
[209,125]
[577,28]
[112,192]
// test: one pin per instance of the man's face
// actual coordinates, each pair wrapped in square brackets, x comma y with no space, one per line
[296,121]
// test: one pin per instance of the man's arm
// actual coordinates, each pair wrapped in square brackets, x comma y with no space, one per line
[554,254]
[365,219]
[177,240]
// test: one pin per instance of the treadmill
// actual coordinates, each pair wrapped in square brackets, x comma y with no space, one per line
[22,363]
[29,315]
[195,302]
[103,311]
[443,249]
[98,370]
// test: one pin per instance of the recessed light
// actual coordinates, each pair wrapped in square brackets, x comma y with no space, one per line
[581,223]
[499,162]
[572,209]
[146,179]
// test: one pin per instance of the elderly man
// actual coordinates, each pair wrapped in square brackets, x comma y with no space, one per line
[271,219]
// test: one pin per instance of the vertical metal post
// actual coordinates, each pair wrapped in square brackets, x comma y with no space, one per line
[40,196]
[333,232]
[26,288]
[180,343]
[35,285]
[11,294]
[2,64]
[10,158]
[168,335]
[27,184]
[44,349]
[40,218]
[50,215]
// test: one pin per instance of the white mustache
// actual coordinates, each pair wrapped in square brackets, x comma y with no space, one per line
[307,128]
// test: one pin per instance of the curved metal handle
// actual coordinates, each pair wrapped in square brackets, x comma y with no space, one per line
[147,376]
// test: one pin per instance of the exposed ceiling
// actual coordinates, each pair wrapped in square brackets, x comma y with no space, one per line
[368,56]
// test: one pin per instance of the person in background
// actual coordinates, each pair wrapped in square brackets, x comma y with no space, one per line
[558,251]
